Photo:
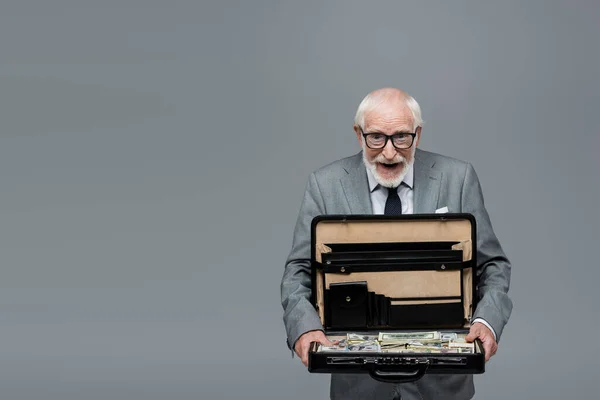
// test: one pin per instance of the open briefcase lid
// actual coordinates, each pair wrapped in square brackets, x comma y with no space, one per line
[378,272]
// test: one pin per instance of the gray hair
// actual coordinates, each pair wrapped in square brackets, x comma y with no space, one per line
[373,100]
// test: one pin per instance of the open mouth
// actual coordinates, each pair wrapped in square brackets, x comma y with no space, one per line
[389,166]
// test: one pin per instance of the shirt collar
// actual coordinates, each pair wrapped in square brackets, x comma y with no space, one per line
[408,179]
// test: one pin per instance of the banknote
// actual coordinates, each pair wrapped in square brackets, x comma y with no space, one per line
[332,348]
[424,348]
[440,350]
[391,336]
[418,342]
[392,345]
[460,339]
[448,336]
[414,343]
[367,345]
[463,350]
[340,346]
[462,345]
[355,337]
[430,343]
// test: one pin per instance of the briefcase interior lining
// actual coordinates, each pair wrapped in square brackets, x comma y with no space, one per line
[435,288]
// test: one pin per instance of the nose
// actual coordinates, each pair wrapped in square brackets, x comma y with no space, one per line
[389,151]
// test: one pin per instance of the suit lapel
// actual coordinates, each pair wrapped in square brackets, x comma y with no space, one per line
[356,187]
[426,185]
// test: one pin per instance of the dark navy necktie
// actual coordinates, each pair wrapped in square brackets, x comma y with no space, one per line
[393,205]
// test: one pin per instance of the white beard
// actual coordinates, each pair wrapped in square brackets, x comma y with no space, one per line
[388,182]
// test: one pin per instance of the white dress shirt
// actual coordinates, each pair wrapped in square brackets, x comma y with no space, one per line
[379,196]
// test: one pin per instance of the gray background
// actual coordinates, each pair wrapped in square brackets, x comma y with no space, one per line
[153,157]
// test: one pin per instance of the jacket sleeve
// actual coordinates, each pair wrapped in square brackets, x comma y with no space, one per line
[299,315]
[493,267]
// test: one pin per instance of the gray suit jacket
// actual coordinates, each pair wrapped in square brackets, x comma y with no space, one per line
[342,188]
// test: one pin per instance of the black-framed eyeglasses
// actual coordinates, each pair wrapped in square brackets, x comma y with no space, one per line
[379,140]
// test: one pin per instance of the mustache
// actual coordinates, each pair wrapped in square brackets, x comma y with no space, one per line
[397,159]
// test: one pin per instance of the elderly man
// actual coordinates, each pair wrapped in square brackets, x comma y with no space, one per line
[392,176]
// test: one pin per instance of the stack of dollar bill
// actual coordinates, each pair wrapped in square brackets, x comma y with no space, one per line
[403,342]
[424,342]
[358,342]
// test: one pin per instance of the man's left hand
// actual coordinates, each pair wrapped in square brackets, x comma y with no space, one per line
[479,330]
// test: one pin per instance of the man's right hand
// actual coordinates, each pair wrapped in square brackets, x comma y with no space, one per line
[303,344]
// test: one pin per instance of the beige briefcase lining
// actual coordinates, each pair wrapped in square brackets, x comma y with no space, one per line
[399,284]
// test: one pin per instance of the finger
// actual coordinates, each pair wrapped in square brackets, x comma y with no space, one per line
[494,349]
[489,350]
[298,349]
[472,335]
[325,340]
[488,338]
[336,341]
[304,356]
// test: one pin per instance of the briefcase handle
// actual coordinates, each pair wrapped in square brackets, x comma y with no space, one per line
[410,375]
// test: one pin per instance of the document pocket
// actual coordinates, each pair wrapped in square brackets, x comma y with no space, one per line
[420,315]
[348,305]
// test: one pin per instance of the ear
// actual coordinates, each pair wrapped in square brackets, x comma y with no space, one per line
[418,136]
[358,134]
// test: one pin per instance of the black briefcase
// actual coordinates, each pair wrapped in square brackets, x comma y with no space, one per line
[376,275]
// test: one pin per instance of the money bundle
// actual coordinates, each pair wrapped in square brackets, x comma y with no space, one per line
[340,346]
[403,342]
[424,342]
[358,342]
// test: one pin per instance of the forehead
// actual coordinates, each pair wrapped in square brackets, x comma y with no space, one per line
[392,117]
